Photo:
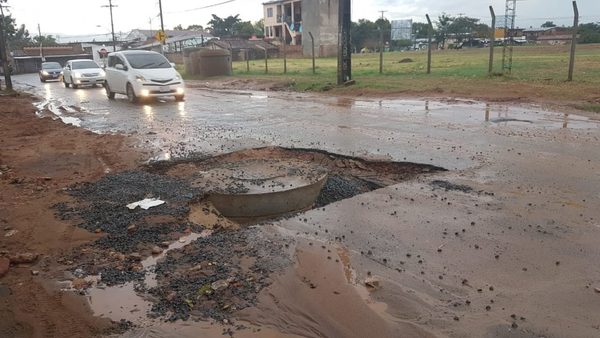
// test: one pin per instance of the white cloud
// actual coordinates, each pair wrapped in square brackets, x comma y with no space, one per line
[71,17]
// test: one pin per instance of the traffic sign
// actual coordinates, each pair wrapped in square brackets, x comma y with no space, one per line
[161,36]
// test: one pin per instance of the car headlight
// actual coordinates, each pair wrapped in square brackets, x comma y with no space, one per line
[102,73]
[77,74]
[44,72]
[178,77]
[140,78]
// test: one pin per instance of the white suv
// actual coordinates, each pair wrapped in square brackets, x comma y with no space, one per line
[142,74]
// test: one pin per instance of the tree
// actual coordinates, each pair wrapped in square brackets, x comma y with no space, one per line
[259,28]
[16,37]
[223,27]
[195,28]
[465,27]
[244,29]
[364,34]
[548,24]
[589,33]
[420,30]
[443,26]
[178,28]
[46,40]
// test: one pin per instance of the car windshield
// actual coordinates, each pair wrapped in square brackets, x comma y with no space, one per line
[85,65]
[51,65]
[147,60]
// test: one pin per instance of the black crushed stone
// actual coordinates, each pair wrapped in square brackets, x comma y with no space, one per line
[451,186]
[340,187]
[191,293]
[102,206]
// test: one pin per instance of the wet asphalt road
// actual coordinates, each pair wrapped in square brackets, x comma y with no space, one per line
[217,121]
[535,176]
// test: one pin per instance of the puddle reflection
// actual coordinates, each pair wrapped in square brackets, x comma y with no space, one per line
[148,113]
[82,95]
[47,92]
[181,109]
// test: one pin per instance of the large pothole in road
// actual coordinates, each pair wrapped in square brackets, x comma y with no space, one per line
[260,184]
[218,274]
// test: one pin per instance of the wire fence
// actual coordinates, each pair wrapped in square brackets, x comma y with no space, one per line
[456,45]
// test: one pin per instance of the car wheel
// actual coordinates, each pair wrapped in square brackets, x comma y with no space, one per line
[131,94]
[179,98]
[110,94]
[42,79]
[73,84]
[65,83]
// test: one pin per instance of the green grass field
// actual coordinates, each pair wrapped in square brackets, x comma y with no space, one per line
[538,72]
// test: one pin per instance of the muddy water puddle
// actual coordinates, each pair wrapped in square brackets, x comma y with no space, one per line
[130,301]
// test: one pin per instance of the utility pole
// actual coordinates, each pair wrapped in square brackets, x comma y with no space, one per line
[344,72]
[41,44]
[162,28]
[4,50]
[112,25]
[381,43]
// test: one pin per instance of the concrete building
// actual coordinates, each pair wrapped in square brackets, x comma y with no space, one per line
[29,59]
[292,21]
[549,35]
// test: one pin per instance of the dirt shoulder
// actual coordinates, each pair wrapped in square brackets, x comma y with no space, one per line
[39,158]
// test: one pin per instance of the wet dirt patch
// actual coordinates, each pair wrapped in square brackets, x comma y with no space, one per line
[217,275]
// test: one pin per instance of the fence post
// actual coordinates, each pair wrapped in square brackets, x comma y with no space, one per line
[312,39]
[230,58]
[266,58]
[284,55]
[381,44]
[492,41]
[247,61]
[429,37]
[574,40]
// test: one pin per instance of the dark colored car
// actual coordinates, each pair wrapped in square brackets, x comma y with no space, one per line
[50,71]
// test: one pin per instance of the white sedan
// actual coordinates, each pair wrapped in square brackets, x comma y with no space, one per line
[83,73]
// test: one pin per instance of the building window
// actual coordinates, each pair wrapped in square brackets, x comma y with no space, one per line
[270,12]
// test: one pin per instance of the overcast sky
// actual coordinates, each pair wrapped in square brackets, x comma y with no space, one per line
[78,17]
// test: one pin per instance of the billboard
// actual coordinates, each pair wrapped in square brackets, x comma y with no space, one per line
[402,30]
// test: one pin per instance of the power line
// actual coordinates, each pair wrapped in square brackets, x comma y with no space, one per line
[203,7]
